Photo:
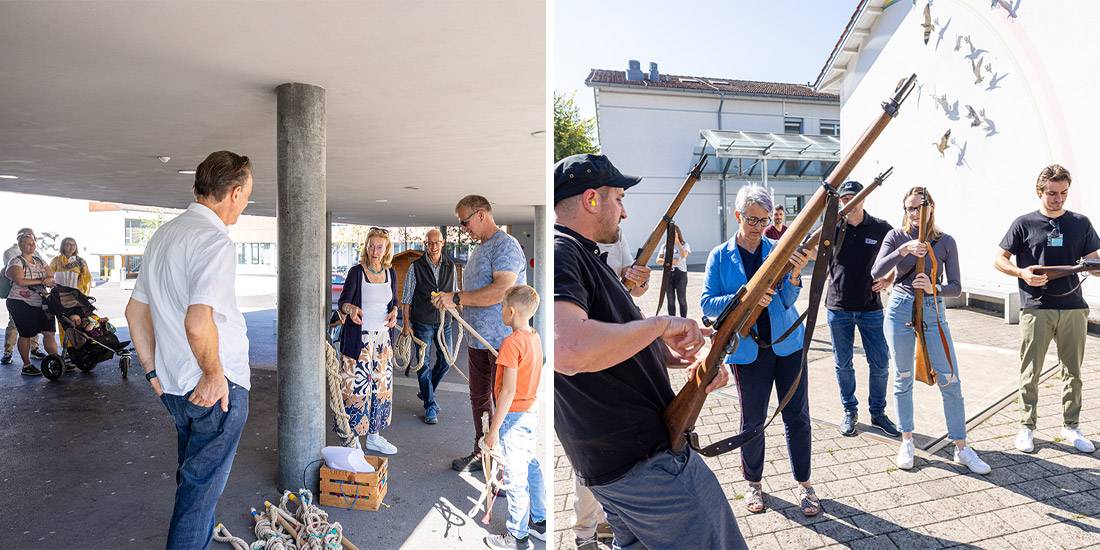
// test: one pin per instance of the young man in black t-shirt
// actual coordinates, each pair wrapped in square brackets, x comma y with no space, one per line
[1050,309]
[611,385]
[853,301]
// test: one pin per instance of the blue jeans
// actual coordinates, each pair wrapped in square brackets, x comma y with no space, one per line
[522,473]
[435,365]
[207,442]
[670,500]
[902,340]
[842,327]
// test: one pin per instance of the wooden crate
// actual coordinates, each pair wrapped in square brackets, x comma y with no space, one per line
[357,491]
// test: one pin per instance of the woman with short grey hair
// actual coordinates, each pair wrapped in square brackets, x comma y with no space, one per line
[759,362]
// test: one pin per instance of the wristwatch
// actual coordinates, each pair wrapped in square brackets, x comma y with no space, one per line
[151,375]
[456,299]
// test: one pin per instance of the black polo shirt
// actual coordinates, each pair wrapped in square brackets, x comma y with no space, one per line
[607,421]
[1036,239]
[850,283]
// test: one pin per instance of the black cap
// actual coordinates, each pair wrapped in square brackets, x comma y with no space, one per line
[576,174]
[850,187]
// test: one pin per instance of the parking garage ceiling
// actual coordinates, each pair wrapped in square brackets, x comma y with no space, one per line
[426,101]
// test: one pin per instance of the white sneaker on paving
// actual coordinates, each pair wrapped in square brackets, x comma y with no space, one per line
[378,444]
[905,454]
[1024,441]
[1074,437]
[967,457]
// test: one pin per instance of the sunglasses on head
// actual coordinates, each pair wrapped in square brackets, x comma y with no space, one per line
[382,230]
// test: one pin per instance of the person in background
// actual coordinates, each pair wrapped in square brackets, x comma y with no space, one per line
[777,228]
[432,272]
[620,259]
[369,300]
[25,303]
[519,369]
[11,334]
[678,278]
[70,270]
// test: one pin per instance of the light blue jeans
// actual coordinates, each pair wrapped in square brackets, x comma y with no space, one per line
[522,473]
[902,341]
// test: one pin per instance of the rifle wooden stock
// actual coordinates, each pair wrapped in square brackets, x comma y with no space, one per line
[650,246]
[811,243]
[681,414]
[1058,271]
[922,368]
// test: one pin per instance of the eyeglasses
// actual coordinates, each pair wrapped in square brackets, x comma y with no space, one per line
[754,221]
[435,243]
[466,221]
[912,209]
[381,230]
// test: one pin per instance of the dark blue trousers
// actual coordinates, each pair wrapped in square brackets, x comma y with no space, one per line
[435,365]
[754,385]
[207,444]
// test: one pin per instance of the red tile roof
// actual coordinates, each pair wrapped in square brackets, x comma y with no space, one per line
[600,77]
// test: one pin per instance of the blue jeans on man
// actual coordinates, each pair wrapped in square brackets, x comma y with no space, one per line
[207,443]
[435,364]
[842,327]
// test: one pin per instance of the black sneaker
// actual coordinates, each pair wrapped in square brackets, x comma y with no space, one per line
[31,370]
[6,359]
[38,353]
[848,425]
[537,529]
[507,542]
[471,463]
[883,423]
[586,544]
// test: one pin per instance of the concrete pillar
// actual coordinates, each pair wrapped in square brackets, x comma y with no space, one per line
[541,266]
[301,229]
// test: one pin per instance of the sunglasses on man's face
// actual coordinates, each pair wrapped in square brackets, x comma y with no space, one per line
[465,222]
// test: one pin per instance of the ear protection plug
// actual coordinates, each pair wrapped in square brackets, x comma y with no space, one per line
[593,203]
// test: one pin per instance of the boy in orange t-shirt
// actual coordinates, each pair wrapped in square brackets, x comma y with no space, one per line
[519,366]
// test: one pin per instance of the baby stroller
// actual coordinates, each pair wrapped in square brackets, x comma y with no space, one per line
[89,339]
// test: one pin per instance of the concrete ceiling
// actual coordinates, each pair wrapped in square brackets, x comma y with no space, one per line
[449,97]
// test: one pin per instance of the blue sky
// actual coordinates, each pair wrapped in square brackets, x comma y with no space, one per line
[778,41]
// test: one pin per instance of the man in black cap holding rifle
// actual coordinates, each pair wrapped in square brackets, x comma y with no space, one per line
[611,385]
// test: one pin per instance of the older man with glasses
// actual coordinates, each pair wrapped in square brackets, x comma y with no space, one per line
[433,272]
[496,265]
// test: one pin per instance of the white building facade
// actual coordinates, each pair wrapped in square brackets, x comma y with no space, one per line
[656,125]
[1029,73]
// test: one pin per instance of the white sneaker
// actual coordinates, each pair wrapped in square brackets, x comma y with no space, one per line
[1024,441]
[378,444]
[1077,439]
[905,454]
[967,457]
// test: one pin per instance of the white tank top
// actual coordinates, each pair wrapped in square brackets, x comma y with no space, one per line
[374,299]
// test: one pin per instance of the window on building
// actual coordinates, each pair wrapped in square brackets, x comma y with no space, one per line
[792,125]
[792,205]
[255,254]
[138,231]
[830,128]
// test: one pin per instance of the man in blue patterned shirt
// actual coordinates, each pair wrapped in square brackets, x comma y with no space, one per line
[496,265]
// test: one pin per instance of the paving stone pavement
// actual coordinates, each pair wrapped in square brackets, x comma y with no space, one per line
[1048,499]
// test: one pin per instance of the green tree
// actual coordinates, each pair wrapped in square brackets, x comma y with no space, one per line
[573,135]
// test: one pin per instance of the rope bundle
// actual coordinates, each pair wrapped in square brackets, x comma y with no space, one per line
[336,399]
[492,461]
[402,351]
[283,527]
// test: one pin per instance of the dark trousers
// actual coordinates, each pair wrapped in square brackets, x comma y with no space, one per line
[435,365]
[670,500]
[482,370]
[677,292]
[754,385]
[207,442]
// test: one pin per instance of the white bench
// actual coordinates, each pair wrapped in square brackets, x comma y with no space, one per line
[983,291]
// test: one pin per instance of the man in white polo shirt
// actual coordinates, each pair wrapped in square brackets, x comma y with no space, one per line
[191,340]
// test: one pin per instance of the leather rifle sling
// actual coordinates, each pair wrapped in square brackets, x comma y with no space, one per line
[939,326]
[666,268]
[817,289]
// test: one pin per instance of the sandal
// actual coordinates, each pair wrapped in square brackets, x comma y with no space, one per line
[754,500]
[811,505]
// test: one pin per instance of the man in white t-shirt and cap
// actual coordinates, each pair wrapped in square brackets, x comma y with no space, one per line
[191,339]
[11,335]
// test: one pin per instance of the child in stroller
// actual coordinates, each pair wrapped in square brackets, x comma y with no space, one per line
[89,339]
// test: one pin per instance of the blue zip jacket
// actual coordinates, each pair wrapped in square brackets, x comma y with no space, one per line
[725,275]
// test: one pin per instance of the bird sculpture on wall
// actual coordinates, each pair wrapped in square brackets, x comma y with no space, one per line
[958,42]
[927,24]
[943,143]
[977,66]
[995,82]
[942,31]
[974,52]
[941,100]
[987,124]
[975,120]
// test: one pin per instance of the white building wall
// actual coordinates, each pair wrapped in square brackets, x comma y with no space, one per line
[1042,109]
[653,135]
